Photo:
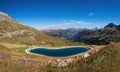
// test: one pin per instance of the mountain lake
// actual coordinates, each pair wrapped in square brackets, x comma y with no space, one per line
[57,52]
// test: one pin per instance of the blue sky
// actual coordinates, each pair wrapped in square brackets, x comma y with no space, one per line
[63,13]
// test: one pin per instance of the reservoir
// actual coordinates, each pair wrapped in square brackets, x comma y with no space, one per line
[58,52]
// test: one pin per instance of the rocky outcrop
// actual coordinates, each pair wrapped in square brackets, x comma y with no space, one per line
[21,61]
[85,55]
[62,64]
[5,56]
[109,33]
[14,33]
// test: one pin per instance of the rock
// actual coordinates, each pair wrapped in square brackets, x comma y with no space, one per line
[85,55]
[59,60]
[53,63]
[49,61]
[10,34]
[68,60]
[43,64]
[5,56]
[21,61]
[62,64]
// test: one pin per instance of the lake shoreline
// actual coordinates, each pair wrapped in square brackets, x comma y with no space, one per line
[54,48]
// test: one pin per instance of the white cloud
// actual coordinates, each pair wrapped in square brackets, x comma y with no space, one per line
[51,28]
[91,14]
[69,24]
[74,22]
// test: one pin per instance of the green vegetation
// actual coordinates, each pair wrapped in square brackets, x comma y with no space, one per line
[21,49]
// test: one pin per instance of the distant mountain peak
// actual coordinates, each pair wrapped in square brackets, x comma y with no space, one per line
[110,25]
[118,27]
[2,13]
[52,28]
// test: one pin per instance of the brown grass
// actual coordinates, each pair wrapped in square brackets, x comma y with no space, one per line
[107,60]
[11,45]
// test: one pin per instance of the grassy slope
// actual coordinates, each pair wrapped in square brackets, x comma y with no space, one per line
[21,34]
[107,60]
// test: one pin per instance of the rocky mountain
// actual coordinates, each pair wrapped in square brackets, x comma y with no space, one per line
[62,33]
[118,27]
[111,25]
[15,32]
[110,33]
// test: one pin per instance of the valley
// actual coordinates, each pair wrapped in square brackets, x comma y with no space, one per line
[15,38]
[10,59]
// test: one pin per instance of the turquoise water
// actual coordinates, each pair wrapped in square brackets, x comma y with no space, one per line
[63,52]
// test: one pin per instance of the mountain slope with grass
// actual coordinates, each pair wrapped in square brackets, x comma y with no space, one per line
[63,33]
[106,60]
[12,31]
[109,33]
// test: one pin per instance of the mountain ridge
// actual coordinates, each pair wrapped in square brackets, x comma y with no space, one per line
[15,32]
[110,33]
[63,33]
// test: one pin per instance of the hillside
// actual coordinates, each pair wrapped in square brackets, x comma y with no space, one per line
[62,33]
[109,33]
[107,60]
[12,31]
